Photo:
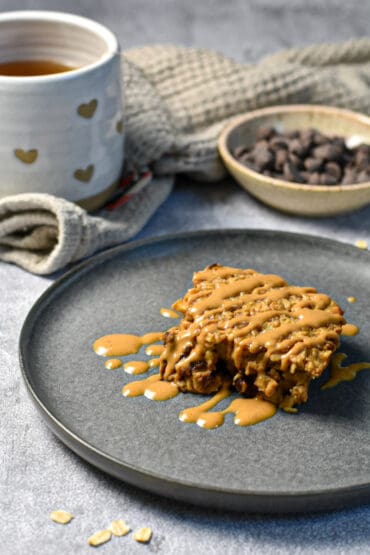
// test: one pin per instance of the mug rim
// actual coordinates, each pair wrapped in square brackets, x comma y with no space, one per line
[110,39]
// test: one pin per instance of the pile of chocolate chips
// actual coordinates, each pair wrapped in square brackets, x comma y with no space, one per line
[306,156]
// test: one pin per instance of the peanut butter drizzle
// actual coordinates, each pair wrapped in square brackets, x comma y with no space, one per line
[305,318]
[153,388]
[269,330]
[339,373]
[192,414]
[122,344]
[137,388]
[113,364]
[161,391]
[349,330]
[152,337]
[322,301]
[247,413]
[169,313]
[211,420]
[136,367]
[154,362]
[154,350]
[228,290]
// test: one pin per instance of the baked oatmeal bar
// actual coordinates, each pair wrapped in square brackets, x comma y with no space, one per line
[268,338]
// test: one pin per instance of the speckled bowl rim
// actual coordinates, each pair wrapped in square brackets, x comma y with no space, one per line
[288,109]
[182,490]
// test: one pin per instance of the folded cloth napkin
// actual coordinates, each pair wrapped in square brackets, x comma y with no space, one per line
[177,101]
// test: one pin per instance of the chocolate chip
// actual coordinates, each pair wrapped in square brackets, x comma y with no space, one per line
[340,142]
[291,134]
[263,157]
[291,173]
[314,178]
[265,133]
[333,169]
[281,156]
[326,179]
[362,159]
[239,151]
[296,147]
[327,152]
[319,138]
[364,148]
[349,176]
[362,177]
[313,164]
[295,159]
[246,157]
[261,144]
[346,158]
[307,135]
[278,143]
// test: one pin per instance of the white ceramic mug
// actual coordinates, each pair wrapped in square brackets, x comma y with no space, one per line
[61,133]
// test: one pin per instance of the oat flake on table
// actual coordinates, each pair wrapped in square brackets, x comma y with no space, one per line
[99,538]
[119,528]
[360,244]
[61,517]
[142,535]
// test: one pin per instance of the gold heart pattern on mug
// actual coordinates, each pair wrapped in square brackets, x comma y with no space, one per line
[119,126]
[26,156]
[87,110]
[84,175]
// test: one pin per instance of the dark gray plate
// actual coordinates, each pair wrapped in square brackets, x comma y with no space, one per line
[318,459]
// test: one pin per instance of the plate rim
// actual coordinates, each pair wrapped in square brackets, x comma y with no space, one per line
[75,441]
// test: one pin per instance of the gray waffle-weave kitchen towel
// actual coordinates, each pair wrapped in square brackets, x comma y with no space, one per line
[177,102]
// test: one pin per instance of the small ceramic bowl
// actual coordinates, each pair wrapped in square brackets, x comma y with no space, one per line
[61,133]
[295,198]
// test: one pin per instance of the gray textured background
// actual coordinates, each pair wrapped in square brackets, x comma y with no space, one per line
[37,473]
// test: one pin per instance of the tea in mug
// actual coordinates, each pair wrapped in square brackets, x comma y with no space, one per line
[30,68]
